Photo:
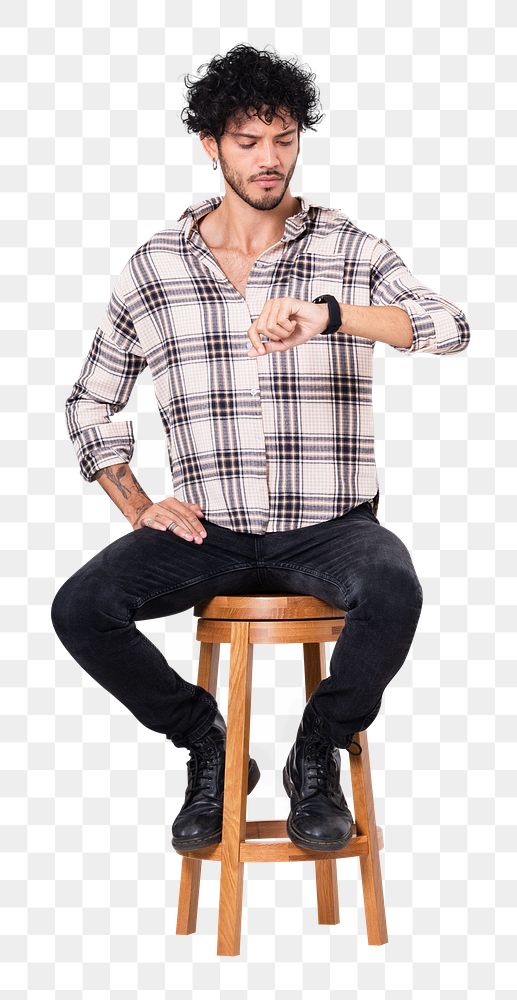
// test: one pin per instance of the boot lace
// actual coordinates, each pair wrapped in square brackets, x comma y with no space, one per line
[201,766]
[319,764]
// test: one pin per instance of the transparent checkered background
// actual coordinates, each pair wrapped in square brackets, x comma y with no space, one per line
[418,146]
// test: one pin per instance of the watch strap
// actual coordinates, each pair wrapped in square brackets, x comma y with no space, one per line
[334,313]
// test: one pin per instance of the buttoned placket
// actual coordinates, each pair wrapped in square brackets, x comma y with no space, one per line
[252,305]
[294,225]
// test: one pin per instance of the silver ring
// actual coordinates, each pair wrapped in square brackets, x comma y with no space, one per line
[171,525]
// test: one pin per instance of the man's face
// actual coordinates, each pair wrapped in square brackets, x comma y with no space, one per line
[250,149]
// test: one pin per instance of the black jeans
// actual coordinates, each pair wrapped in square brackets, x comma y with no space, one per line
[351,561]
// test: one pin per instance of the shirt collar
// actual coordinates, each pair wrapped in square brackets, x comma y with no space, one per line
[294,225]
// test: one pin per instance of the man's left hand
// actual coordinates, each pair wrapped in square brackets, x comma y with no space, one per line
[287,323]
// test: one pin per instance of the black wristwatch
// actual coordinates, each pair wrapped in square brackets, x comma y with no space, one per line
[334,313]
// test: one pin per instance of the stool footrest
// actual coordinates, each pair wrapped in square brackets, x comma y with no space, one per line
[282,849]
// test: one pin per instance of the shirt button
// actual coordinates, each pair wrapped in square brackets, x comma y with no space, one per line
[249,344]
[253,392]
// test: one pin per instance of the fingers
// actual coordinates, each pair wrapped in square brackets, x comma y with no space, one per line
[180,516]
[182,526]
[188,527]
[196,508]
[257,343]
[276,326]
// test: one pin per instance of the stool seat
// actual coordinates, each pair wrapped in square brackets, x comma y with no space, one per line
[272,618]
[244,621]
[267,607]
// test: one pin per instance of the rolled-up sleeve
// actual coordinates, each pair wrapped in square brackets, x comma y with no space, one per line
[439,326]
[109,372]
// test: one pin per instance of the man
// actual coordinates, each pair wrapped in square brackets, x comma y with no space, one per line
[265,398]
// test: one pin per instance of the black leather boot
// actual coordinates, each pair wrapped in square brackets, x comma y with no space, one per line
[319,818]
[200,820]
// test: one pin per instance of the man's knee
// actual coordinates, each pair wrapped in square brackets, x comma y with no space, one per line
[77,605]
[408,587]
[65,606]
[395,587]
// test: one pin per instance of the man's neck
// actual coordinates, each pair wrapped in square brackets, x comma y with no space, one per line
[247,230]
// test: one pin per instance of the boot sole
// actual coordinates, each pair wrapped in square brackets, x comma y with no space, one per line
[306,842]
[196,843]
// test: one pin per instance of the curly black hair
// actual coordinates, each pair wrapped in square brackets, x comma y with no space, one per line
[248,81]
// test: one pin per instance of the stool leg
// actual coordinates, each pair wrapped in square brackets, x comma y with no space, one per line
[188,899]
[326,871]
[364,811]
[235,790]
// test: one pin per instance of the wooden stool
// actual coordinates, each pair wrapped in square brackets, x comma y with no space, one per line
[243,621]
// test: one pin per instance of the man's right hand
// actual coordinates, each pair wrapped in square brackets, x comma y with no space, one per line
[184,515]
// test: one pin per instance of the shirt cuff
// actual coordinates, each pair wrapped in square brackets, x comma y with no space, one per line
[435,331]
[104,445]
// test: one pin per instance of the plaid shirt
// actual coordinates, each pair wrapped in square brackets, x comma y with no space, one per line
[263,444]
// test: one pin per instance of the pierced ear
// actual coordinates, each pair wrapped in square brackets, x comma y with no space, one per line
[210,147]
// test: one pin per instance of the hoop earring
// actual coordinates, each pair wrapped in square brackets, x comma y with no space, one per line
[214,164]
